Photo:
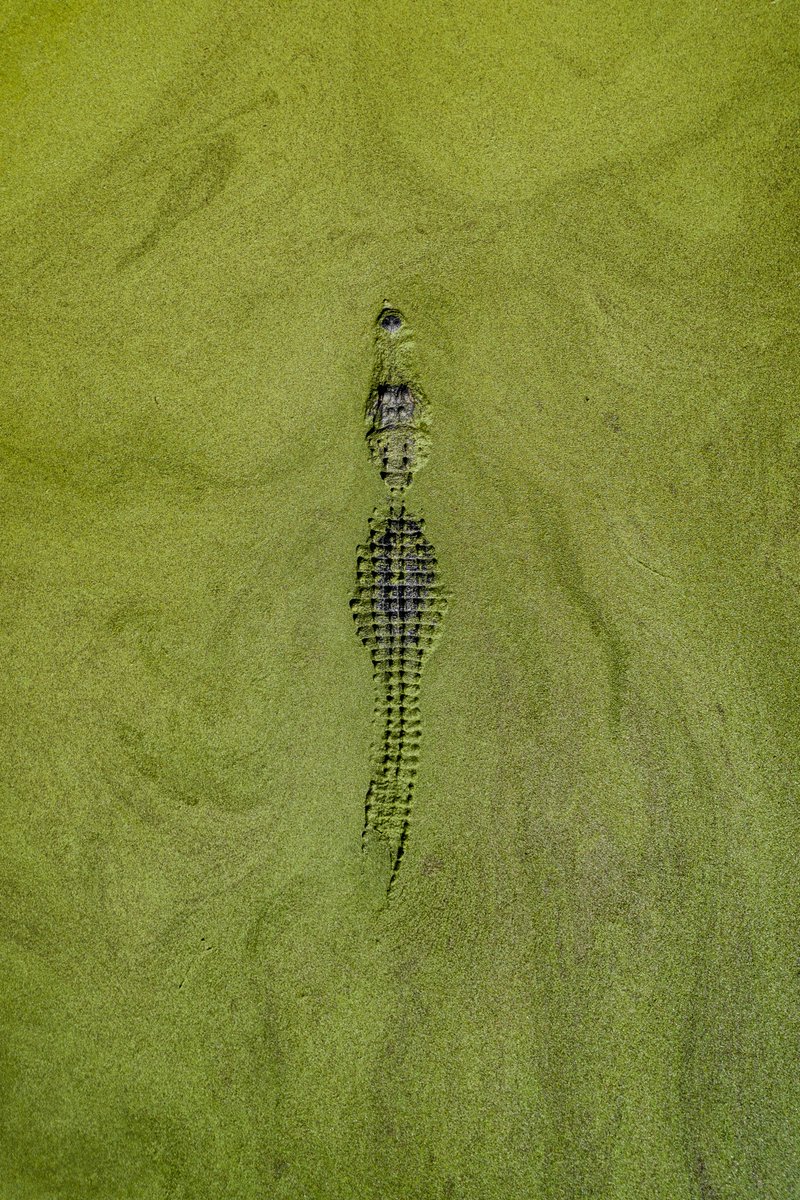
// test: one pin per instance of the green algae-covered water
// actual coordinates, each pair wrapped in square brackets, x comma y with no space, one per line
[584,983]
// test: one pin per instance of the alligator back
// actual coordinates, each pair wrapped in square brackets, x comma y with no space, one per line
[398,602]
[397,608]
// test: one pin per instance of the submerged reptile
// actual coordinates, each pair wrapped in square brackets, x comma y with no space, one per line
[398,603]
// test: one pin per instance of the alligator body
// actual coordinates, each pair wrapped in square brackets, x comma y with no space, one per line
[399,603]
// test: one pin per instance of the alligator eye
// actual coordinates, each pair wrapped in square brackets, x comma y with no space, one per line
[391,322]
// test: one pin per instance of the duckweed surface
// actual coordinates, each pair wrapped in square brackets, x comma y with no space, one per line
[585,983]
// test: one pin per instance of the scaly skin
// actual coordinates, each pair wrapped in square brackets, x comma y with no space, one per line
[398,604]
[397,608]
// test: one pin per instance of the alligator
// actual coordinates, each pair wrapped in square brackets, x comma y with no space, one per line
[399,603]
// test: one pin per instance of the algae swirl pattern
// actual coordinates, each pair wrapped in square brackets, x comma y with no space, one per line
[399,602]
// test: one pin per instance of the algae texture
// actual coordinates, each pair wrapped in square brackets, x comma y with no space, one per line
[585,982]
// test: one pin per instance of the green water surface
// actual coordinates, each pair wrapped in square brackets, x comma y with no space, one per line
[586,982]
